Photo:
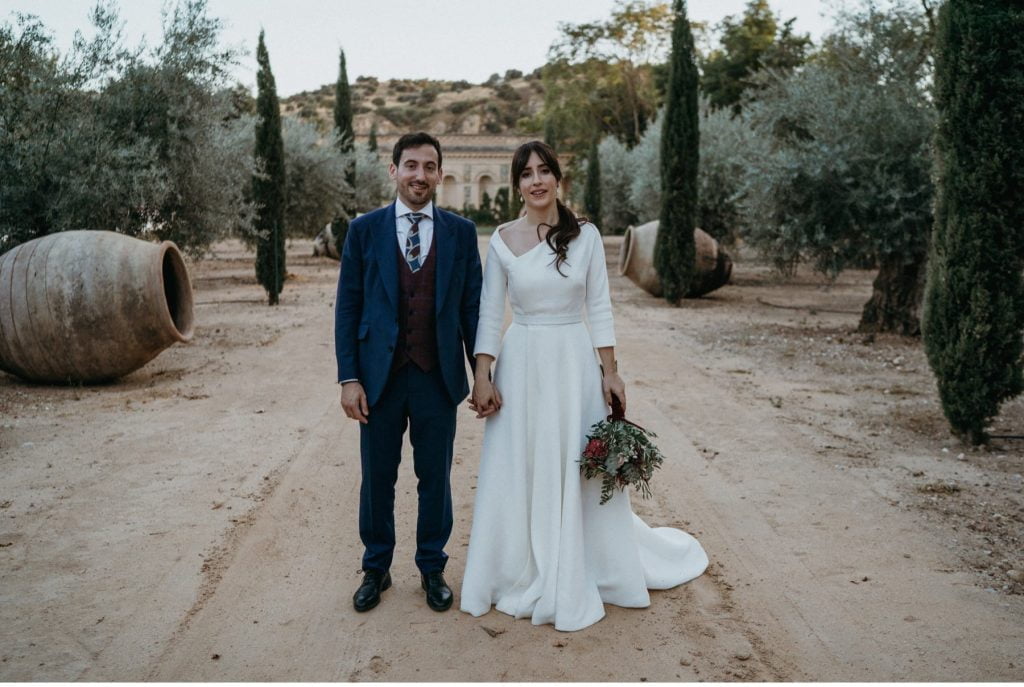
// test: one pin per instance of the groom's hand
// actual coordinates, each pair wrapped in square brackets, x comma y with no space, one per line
[486,399]
[353,401]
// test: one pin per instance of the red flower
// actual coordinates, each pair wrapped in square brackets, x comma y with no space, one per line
[595,449]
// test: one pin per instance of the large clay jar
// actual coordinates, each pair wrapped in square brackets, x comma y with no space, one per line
[325,245]
[636,257]
[712,265]
[636,261]
[88,306]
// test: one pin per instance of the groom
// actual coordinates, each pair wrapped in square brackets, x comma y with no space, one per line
[405,315]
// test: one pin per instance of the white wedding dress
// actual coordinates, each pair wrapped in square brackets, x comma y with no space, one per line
[541,546]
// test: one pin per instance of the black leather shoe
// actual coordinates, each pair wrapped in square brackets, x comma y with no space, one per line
[368,594]
[439,594]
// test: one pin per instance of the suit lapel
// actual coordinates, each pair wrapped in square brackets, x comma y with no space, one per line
[384,247]
[444,247]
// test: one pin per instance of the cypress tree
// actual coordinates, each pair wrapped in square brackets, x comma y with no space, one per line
[268,189]
[592,186]
[515,204]
[502,205]
[371,144]
[550,132]
[674,249]
[346,146]
[974,302]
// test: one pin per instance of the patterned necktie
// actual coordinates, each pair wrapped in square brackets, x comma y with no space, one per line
[412,241]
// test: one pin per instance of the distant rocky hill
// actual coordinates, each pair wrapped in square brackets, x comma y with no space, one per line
[501,105]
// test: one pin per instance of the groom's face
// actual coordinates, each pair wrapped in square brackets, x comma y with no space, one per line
[416,175]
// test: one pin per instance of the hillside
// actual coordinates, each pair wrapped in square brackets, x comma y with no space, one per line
[498,106]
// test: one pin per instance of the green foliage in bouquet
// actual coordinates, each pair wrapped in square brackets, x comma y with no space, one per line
[621,453]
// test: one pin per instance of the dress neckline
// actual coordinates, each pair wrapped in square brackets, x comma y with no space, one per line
[524,253]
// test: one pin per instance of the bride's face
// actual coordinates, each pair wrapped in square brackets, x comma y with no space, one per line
[537,184]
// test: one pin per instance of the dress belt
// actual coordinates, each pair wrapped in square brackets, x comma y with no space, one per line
[568,318]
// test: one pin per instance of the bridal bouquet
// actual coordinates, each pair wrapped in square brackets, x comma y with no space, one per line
[621,453]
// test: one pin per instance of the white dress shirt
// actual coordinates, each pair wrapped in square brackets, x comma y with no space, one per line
[402,225]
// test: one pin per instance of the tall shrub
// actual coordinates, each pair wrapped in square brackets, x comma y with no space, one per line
[680,154]
[974,308]
[502,205]
[644,172]
[592,186]
[616,176]
[373,185]
[726,145]
[315,186]
[268,185]
[371,143]
[346,145]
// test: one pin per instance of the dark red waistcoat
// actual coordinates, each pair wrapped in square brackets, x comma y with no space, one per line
[417,336]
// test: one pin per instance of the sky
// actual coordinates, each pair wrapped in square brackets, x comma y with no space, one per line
[435,39]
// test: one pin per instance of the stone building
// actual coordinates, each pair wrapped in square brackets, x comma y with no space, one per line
[473,164]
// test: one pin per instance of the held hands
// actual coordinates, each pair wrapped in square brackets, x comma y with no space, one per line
[486,400]
[353,401]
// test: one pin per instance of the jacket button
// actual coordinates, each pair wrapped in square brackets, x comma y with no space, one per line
[390,349]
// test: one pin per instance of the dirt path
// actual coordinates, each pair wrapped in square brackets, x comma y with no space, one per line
[196,521]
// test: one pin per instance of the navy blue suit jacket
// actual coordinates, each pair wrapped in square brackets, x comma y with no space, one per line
[366,308]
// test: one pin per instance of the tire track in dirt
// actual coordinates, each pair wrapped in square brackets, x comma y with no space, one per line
[261,574]
[220,558]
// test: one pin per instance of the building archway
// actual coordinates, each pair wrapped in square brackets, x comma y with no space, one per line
[449,192]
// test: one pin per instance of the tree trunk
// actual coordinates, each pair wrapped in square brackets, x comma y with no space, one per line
[895,305]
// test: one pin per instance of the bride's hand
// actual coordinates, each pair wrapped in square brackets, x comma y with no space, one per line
[612,384]
[486,399]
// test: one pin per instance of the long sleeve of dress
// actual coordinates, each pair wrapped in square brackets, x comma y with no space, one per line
[492,305]
[599,302]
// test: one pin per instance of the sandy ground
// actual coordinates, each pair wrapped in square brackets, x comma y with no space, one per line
[197,519]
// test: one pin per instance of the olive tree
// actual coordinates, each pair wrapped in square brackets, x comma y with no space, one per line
[107,137]
[841,172]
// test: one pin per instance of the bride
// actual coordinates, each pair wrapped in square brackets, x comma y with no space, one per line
[541,546]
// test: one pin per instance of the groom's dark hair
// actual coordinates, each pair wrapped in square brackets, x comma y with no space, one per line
[420,138]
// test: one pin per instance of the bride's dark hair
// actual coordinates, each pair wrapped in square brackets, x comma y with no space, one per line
[568,226]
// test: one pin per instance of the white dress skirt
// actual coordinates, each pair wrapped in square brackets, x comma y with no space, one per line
[541,545]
